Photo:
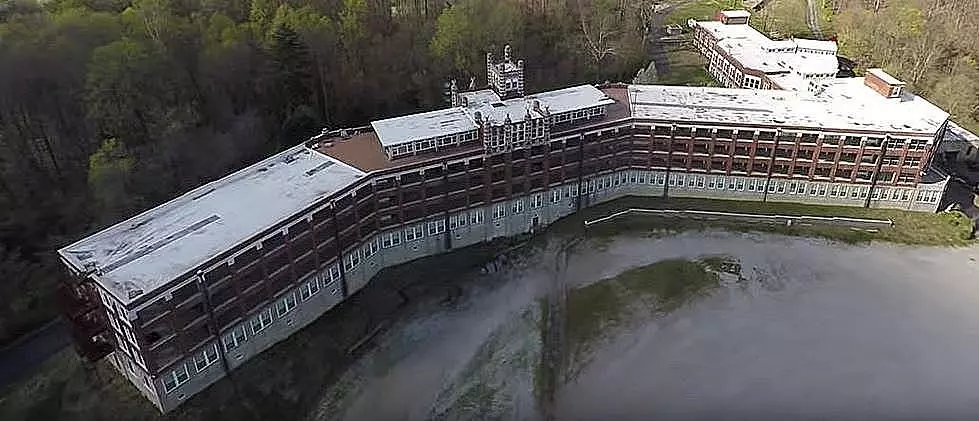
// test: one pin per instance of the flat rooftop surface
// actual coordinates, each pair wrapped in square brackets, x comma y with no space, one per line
[413,127]
[756,51]
[491,108]
[159,245]
[845,104]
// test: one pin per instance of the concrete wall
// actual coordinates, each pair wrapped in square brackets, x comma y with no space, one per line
[552,206]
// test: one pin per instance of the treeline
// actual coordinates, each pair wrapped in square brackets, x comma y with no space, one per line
[108,107]
[933,45]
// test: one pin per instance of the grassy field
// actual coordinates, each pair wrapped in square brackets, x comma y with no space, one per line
[686,69]
[787,18]
[658,287]
[919,228]
[698,10]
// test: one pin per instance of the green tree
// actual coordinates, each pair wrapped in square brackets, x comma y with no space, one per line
[109,169]
[120,87]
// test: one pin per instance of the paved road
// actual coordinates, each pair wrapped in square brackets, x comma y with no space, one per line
[22,357]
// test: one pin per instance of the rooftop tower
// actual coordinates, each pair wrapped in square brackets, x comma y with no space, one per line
[505,77]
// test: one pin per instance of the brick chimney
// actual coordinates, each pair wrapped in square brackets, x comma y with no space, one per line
[733,17]
[885,84]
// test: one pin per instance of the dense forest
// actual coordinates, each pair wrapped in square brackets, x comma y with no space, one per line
[933,45]
[112,106]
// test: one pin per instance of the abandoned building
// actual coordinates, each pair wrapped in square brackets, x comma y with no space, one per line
[184,293]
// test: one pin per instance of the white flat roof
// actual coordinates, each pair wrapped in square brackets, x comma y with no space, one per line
[756,51]
[736,13]
[844,104]
[491,108]
[570,99]
[816,44]
[415,127]
[162,244]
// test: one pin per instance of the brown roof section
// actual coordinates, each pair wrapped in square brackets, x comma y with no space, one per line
[619,110]
[363,150]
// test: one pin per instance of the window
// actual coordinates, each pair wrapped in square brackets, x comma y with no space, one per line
[499,211]
[176,377]
[912,162]
[436,227]
[234,338]
[556,195]
[917,144]
[572,190]
[476,217]
[891,160]
[391,239]
[352,260]
[334,273]
[517,206]
[458,221]
[308,290]
[370,249]
[261,321]
[206,357]
[538,200]
[413,233]
[285,305]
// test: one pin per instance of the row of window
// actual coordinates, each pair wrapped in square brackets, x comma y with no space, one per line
[427,144]
[578,114]
[748,184]
[234,338]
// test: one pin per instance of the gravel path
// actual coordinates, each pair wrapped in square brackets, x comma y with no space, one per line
[812,19]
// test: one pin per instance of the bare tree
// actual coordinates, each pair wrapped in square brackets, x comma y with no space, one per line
[599,30]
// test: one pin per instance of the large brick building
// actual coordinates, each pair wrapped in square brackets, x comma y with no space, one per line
[738,56]
[183,293]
